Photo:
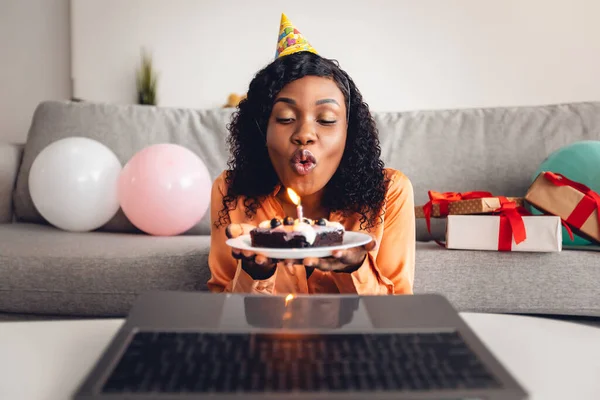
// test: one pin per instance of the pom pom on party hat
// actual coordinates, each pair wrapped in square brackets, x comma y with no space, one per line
[290,40]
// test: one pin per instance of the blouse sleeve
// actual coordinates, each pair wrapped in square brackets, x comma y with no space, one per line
[389,269]
[227,274]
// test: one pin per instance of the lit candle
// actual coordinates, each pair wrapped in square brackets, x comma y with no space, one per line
[296,200]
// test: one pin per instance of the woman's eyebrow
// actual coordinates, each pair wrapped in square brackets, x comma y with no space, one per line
[285,100]
[325,101]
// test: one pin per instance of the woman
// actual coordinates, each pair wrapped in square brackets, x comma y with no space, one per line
[305,126]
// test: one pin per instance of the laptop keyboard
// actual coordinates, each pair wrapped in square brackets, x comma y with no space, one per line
[207,362]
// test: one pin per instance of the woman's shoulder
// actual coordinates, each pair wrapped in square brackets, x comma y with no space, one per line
[220,182]
[400,192]
[397,180]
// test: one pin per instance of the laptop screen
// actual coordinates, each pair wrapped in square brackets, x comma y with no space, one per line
[273,312]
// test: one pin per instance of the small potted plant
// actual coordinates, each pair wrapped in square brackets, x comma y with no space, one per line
[146,81]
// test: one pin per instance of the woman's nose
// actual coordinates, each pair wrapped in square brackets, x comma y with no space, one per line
[304,135]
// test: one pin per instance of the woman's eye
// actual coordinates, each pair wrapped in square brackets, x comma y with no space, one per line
[284,120]
[327,121]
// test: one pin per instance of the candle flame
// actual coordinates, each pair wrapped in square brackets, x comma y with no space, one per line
[293,196]
[288,298]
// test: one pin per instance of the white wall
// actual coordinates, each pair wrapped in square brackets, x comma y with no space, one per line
[403,54]
[34,61]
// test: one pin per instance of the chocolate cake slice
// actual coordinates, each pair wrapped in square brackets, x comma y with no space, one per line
[296,234]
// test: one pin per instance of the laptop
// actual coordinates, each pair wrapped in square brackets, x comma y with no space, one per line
[184,345]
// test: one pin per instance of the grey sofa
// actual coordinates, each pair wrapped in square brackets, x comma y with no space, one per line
[48,272]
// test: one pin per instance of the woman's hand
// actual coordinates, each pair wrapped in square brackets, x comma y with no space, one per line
[347,261]
[257,266]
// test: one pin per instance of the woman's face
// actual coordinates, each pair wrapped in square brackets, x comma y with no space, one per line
[306,134]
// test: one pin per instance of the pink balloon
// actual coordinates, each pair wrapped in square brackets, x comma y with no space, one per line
[164,190]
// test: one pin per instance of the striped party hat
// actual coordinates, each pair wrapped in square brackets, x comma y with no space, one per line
[290,39]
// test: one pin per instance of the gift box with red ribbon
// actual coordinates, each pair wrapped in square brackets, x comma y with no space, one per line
[493,232]
[453,203]
[441,205]
[512,228]
[576,204]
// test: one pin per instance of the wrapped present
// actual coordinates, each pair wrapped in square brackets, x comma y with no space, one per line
[576,204]
[494,232]
[441,205]
[446,205]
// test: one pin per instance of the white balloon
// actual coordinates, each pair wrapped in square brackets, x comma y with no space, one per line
[73,184]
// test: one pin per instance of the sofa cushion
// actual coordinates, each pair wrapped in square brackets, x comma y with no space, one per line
[45,270]
[489,149]
[486,281]
[125,129]
[10,157]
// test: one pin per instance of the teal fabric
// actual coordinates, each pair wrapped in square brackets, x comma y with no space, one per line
[580,162]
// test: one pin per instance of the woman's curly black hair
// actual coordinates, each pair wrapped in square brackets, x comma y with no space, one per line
[358,185]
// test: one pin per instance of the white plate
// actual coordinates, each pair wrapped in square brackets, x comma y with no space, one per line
[351,239]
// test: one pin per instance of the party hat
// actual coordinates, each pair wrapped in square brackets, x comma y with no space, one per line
[290,39]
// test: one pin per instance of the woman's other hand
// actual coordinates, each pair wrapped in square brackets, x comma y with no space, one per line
[347,261]
[257,266]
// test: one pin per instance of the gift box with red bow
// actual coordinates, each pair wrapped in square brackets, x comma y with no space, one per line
[441,205]
[576,204]
[453,203]
[512,228]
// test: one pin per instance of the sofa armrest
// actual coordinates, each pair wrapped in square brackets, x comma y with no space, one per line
[10,159]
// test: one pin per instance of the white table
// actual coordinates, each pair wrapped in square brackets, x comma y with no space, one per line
[552,359]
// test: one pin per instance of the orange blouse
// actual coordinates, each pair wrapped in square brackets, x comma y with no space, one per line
[388,269]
